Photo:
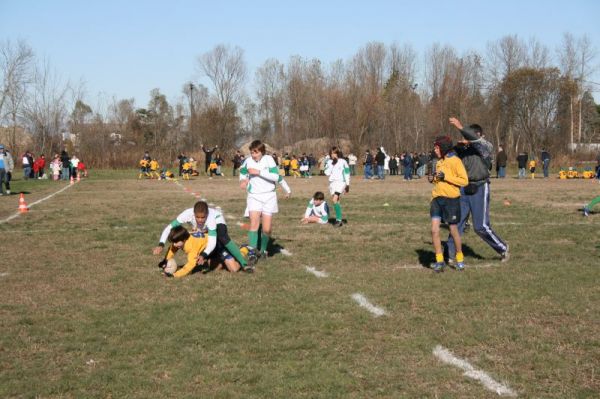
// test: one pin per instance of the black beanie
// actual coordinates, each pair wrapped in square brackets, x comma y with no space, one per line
[445,144]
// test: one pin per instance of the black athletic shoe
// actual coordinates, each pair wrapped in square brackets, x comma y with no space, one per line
[338,223]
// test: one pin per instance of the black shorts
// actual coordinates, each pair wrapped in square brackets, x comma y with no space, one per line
[445,208]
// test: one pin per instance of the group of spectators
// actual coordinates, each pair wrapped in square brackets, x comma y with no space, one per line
[62,167]
[407,164]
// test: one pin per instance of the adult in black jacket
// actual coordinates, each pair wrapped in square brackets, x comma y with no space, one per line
[522,159]
[207,157]
[475,152]
[380,159]
[546,162]
[65,159]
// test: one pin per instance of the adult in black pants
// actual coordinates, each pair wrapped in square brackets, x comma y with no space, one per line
[207,157]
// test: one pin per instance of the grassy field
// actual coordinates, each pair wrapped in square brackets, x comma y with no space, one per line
[84,311]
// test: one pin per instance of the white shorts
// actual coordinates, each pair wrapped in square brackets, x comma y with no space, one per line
[265,203]
[337,187]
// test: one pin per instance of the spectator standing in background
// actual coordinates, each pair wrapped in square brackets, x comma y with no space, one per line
[522,159]
[501,160]
[545,162]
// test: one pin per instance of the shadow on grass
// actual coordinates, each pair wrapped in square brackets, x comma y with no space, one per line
[427,257]
[332,221]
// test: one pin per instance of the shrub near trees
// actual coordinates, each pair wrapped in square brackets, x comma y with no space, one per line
[525,97]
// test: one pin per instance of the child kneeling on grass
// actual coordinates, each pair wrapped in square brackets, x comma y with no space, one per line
[317,210]
[450,175]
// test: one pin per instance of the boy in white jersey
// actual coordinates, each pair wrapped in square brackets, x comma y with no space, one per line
[339,181]
[259,176]
[317,210]
[210,221]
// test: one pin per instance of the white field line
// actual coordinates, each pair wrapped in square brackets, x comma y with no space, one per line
[317,273]
[11,217]
[285,252]
[469,371]
[363,302]
[3,274]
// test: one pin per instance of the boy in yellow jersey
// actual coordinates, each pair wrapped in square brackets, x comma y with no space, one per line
[144,165]
[192,245]
[450,175]
[532,165]
[295,166]
[154,169]
[186,170]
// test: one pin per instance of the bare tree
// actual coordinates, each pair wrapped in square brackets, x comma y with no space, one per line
[16,63]
[226,69]
[45,109]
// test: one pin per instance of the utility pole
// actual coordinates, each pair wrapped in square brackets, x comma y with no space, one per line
[191,114]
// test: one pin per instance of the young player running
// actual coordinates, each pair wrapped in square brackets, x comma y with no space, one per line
[339,181]
[259,176]
[450,175]
[210,221]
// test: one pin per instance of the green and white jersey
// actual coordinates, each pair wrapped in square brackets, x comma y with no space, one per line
[266,181]
[340,172]
[322,211]
[209,227]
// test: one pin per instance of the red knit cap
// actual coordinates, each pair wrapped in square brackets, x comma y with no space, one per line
[445,144]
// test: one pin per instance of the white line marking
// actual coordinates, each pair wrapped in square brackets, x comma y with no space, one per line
[3,274]
[469,371]
[35,203]
[317,273]
[230,217]
[363,302]
[285,252]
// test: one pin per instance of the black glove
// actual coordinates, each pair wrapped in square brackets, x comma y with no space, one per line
[440,176]
[347,189]
[162,264]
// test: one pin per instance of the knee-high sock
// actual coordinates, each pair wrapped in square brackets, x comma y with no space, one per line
[253,238]
[235,252]
[264,242]
[338,211]
[593,202]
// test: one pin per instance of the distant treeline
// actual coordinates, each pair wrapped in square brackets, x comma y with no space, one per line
[525,95]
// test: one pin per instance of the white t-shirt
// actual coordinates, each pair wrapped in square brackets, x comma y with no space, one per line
[214,217]
[322,211]
[340,172]
[266,181]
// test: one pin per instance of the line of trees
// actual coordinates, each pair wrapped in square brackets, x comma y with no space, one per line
[525,97]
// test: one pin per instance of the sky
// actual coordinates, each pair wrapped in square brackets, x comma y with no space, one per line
[126,48]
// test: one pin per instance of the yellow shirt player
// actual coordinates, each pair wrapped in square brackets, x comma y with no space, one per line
[186,170]
[450,176]
[532,165]
[144,165]
[294,166]
[192,245]
[154,166]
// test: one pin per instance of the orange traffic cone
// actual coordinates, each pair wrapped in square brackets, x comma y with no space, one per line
[22,205]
